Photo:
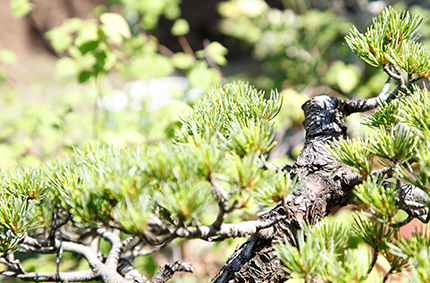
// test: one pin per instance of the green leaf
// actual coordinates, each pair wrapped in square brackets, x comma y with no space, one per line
[396,145]
[348,78]
[20,8]
[66,67]
[180,27]
[60,39]
[183,60]
[150,66]
[87,34]
[7,56]
[217,52]
[116,23]
[203,77]
[84,76]
[89,46]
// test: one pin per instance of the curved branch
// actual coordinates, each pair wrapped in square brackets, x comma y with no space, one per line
[116,249]
[75,276]
[168,270]
[43,246]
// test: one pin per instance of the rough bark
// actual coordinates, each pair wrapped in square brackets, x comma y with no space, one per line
[325,184]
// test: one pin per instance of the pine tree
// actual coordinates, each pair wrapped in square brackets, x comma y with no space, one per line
[140,199]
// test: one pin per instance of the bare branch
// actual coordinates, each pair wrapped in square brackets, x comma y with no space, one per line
[394,75]
[374,259]
[386,171]
[58,223]
[414,201]
[75,276]
[116,249]
[277,168]
[168,270]
[129,272]
[388,274]
[186,45]
[34,245]
[363,105]
[13,264]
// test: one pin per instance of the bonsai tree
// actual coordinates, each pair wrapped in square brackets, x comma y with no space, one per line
[140,199]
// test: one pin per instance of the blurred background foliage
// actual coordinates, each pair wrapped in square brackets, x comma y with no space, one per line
[121,71]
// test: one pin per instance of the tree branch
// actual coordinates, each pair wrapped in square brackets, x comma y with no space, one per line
[414,201]
[168,270]
[116,249]
[75,276]
[33,245]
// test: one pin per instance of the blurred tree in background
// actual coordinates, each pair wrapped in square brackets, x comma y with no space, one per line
[121,72]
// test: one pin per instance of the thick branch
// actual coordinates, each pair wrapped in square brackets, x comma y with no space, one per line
[363,105]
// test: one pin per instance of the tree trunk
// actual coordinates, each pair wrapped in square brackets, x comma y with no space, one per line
[325,183]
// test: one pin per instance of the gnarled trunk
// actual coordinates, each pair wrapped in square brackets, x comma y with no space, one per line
[325,183]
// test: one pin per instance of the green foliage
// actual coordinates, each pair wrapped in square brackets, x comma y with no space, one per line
[180,27]
[225,136]
[380,200]
[394,145]
[99,48]
[20,8]
[353,152]
[416,251]
[416,113]
[101,184]
[385,116]
[282,186]
[150,11]
[391,38]
[20,189]
[345,76]
[239,113]
[321,252]
[295,46]
[90,45]
[215,51]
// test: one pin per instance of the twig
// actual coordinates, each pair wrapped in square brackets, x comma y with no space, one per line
[388,274]
[267,166]
[149,251]
[160,47]
[386,171]
[391,73]
[374,259]
[186,46]
[403,222]
[55,226]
